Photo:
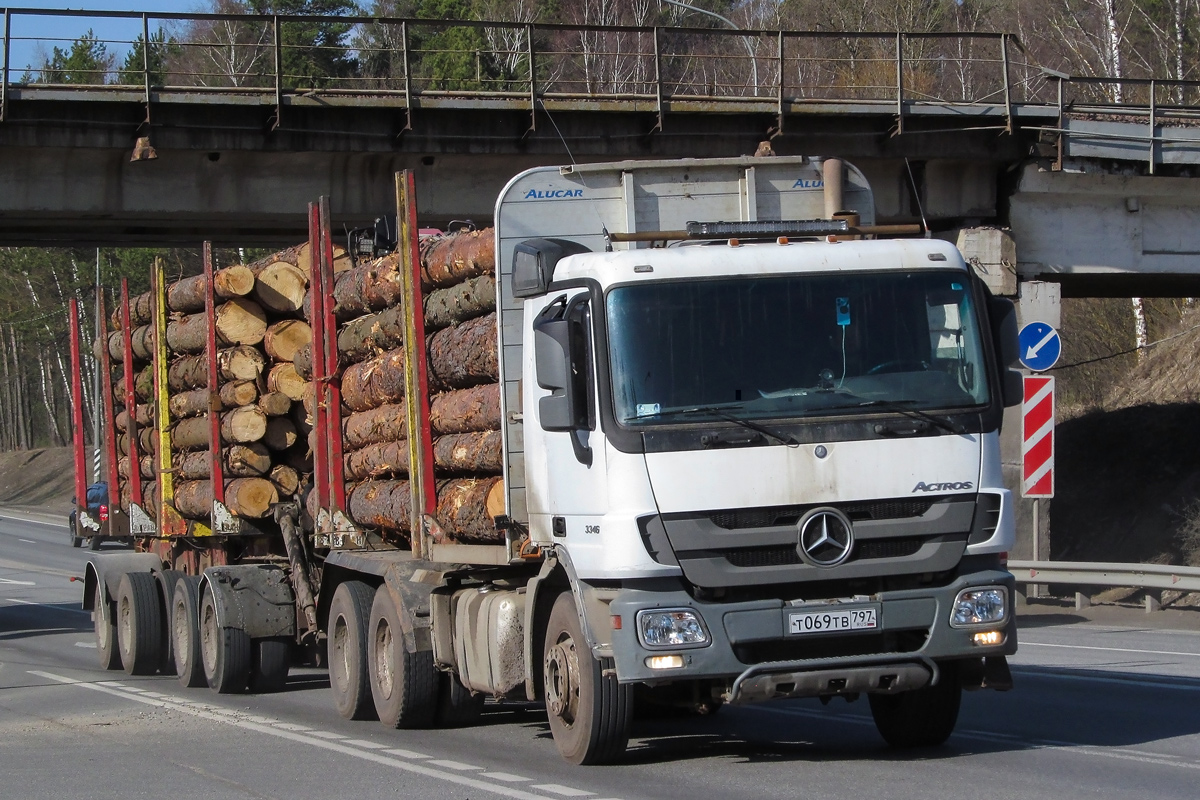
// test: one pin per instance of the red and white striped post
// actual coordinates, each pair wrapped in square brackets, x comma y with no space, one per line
[1037,440]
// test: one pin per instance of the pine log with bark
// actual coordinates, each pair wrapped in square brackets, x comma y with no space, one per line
[466,410]
[275,404]
[146,442]
[143,384]
[245,424]
[142,416]
[191,433]
[283,378]
[140,309]
[238,393]
[286,479]
[303,363]
[246,497]
[368,287]
[240,363]
[384,424]
[465,355]
[187,295]
[454,258]
[456,454]
[280,433]
[284,338]
[467,509]
[380,504]
[141,341]
[456,304]
[374,383]
[191,403]
[239,321]
[238,460]
[280,287]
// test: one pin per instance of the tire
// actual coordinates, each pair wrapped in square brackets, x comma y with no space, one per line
[347,644]
[72,530]
[457,706]
[589,712]
[166,594]
[104,621]
[921,718]
[225,652]
[139,623]
[270,662]
[404,685]
[94,542]
[185,633]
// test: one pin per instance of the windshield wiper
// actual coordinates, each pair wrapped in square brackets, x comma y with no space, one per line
[721,412]
[946,424]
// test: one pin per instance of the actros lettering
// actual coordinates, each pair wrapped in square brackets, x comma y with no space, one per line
[942,487]
[552,194]
[806,183]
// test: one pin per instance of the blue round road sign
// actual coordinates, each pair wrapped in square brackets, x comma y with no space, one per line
[1040,346]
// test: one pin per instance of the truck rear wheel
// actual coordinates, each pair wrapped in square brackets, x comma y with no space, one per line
[589,712]
[104,621]
[457,707]
[224,651]
[166,594]
[923,717]
[185,632]
[139,623]
[404,685]
[348,616]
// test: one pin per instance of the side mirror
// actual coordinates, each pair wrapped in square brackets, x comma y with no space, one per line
[1003,317]
[534,261]
[562,362]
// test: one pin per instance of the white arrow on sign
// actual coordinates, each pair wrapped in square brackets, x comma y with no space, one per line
[1033,351]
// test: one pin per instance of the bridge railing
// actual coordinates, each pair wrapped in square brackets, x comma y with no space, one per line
[287,55]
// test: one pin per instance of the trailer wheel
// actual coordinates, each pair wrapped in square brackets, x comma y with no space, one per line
[104,621]
[271,660]
[923,717]
[224,651]
[348,616]
[589,712]
[166,595]
[139,623]
[457,706]
[94,542]
[73,530]
[404,685]
[185,632]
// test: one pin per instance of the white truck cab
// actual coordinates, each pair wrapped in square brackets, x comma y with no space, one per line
[763,450]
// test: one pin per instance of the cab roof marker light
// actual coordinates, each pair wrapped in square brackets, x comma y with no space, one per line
[764,228]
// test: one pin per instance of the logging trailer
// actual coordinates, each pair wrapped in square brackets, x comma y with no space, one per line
[750,450]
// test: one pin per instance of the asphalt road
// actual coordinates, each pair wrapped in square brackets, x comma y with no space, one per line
[1099,711]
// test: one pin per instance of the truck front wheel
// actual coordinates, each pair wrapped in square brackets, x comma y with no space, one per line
[589,711]
[348,616]
[404,685]
[921,718]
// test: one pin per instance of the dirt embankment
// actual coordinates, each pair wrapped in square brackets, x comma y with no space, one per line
[38,478]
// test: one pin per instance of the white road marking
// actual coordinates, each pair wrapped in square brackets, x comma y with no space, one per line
[1110,649]
[287,726]
[320,734]
[27,541]
[88,645]
[507,777]
[559,789]
[406,753]
[278,731]
[45,605]
[18,583]
[365,743]
[455,765]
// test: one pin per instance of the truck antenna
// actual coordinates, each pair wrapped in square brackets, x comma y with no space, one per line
[917,197]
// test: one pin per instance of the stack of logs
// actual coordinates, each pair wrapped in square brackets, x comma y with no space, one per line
[458,277]
[258,311]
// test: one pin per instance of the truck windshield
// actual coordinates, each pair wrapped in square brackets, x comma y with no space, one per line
[794,346]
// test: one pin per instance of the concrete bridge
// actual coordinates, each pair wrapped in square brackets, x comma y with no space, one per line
[1098,193]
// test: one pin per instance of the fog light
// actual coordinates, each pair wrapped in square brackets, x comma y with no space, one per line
[987,637]
[664,662]
[676,627]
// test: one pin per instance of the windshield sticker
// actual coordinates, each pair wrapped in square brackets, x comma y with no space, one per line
[648,409]
[843,310]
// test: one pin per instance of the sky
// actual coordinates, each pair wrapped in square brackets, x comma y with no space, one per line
[32,36]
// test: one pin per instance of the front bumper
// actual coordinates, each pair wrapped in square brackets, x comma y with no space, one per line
[752,653]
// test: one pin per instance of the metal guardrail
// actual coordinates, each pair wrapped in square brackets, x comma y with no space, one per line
[1089,573]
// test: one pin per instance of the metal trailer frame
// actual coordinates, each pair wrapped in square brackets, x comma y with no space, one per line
[118,521]
[82,518]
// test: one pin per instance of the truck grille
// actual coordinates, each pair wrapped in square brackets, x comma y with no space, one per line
[834,646]
[786,554]
[740,518]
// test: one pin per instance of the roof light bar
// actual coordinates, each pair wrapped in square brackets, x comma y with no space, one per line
[767,228]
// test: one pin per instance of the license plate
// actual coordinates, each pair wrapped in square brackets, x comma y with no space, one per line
[848,619]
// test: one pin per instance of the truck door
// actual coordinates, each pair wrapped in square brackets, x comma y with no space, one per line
[567,474]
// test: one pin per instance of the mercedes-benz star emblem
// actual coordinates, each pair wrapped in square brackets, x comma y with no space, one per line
[826,537]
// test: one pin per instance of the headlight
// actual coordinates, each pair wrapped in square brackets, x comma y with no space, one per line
[979,606]
[676,627]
